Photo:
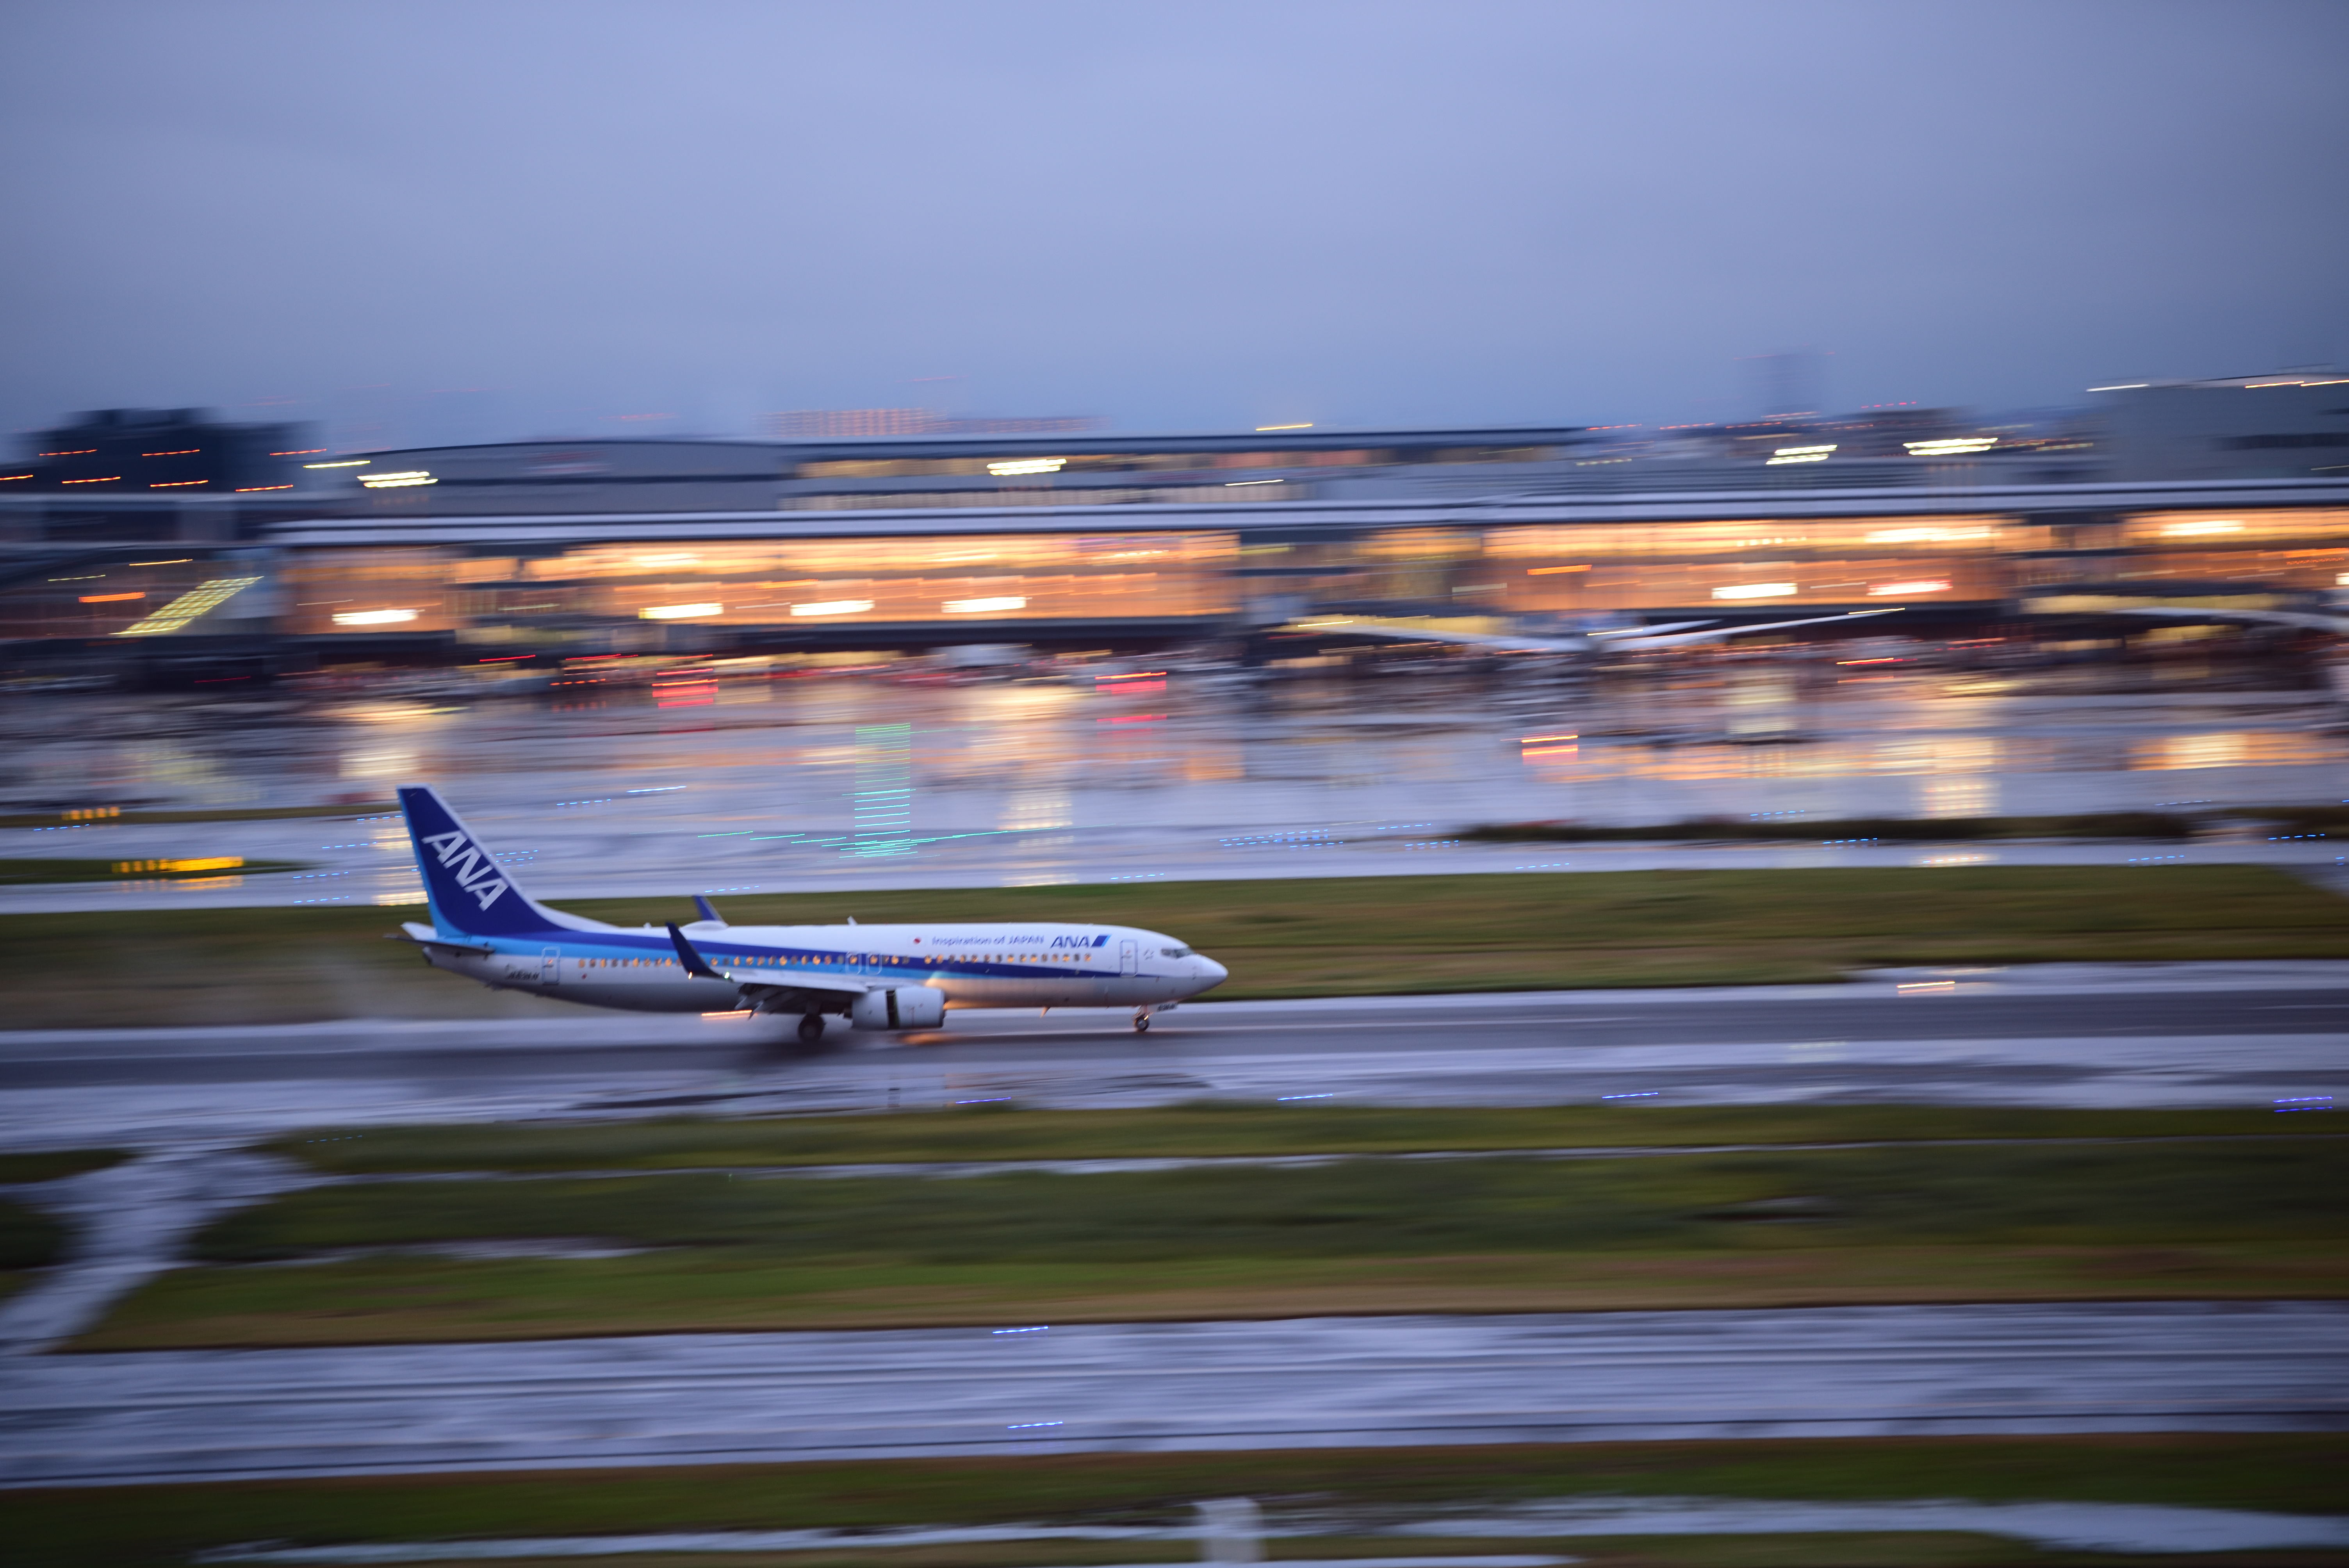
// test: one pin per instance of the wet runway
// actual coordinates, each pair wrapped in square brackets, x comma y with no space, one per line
[2078,1034]
[738,785]
[747,783]
[2184,1035]
[709,1399]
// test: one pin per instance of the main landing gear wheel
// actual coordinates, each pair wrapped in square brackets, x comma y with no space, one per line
[1142,1023]
[811,1027]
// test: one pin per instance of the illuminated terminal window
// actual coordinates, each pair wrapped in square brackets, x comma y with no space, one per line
[754,583]
[2225,527]
[2281,569]
[1566,542]
[1683,585]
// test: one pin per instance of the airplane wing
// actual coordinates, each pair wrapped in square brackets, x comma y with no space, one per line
[425,936]
[1668,635]
[1573,644]
[1683,639]
[1609,636]
[2338,624]
[753,983]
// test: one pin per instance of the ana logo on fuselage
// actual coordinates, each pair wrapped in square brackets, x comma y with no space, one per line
[474,870]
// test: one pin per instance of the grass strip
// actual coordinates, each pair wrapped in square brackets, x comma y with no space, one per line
[2260,1217]
[141,1526]
[2281,1188]
[47,1165]
[2159,826]
[1305,937]
[1210,1129]
[19,873]
[1815,1549]
[191,814]
[29,1239]
[397,1298]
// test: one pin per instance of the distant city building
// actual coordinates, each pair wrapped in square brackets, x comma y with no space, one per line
[161,451]
[2288,425]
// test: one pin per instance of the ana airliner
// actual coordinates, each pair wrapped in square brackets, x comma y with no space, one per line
[873,976]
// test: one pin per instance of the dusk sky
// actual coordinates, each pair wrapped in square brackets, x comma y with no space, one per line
[495,219]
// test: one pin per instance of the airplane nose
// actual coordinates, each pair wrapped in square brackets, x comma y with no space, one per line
[1213,972]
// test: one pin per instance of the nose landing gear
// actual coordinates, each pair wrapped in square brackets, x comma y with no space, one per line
[1142,1021]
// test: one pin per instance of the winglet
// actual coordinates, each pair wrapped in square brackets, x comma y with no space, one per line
[708,912]
[694,963]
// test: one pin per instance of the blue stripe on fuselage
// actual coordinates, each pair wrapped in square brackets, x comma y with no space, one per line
[739,955]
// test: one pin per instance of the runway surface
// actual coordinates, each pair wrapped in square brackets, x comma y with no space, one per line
[2214,1034]
[709,1398]
[2156,1035]
[751,784]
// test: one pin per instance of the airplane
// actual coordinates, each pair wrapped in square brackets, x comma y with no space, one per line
[2335,618]
[1671,635]
[485,928]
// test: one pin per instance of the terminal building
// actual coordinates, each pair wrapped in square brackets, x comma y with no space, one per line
[1079,538]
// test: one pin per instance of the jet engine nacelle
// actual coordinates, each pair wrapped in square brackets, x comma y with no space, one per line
[900,1007]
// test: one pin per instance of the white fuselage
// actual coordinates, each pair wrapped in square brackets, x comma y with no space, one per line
[972,965]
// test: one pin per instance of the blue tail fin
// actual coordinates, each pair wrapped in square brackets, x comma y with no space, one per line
[469,894]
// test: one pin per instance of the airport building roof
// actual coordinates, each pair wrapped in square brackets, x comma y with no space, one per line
[1309,517]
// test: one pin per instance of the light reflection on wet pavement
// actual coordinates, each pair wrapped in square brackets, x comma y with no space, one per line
[768,784]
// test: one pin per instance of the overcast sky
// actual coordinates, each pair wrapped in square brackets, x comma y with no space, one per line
[499,219]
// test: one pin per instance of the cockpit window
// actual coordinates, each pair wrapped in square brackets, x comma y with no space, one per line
[1177,952]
